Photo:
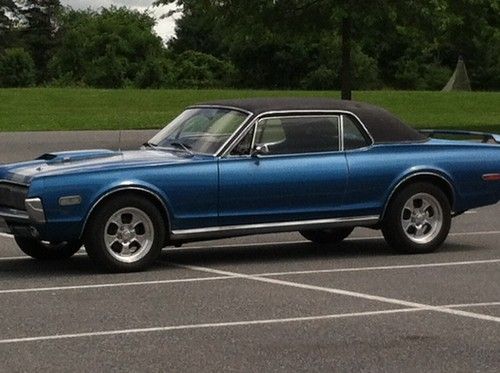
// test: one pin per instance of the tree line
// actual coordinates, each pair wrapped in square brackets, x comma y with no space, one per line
[274,44]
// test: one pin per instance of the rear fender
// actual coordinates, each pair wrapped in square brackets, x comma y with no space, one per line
[441,177]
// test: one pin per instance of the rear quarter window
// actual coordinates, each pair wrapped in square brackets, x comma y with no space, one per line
[354,137]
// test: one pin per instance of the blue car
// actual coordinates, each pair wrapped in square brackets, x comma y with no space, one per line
[230,168]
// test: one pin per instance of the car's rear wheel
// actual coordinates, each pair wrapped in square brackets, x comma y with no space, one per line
[418,219]
[125,234]
[325,236]
[47,250]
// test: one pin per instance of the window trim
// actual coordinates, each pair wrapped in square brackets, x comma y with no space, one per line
[226,150]
[339,125]
[248,119]
[230,140]
[362,130]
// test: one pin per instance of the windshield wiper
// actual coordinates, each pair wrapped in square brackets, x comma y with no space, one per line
[150,145]
[175,145]
[179,144]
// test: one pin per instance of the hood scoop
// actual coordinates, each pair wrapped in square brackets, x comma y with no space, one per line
[46,157]
[74,156]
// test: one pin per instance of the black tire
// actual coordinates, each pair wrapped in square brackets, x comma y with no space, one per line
[392,226]
[325,236]
[94,236]
[47,251]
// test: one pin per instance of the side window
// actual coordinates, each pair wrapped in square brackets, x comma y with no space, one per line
[299,135]
[270,131]
[245,144]
[353,137]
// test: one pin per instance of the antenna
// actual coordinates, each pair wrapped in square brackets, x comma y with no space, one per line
[120,141]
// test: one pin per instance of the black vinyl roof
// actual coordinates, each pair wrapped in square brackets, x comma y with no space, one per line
[383,126]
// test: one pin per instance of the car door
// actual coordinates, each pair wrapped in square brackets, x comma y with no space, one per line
[286,168]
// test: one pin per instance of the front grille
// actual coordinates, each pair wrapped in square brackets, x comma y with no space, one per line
[13,195]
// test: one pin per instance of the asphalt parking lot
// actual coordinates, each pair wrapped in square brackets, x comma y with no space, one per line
[262,303]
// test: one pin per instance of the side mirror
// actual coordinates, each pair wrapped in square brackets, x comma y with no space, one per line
[261,149]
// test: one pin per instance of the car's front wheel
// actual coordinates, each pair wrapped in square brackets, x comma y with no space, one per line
[47,250]
[325,236]
[125,234]
[418,219]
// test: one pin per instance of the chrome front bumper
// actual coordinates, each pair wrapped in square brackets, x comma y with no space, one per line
[34,213]
[14,216]
[4,228]
[34,208]
[15,222]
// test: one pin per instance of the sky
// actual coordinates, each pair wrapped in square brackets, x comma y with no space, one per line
[164,27]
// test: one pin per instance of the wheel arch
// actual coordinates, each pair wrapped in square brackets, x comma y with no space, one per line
[435,178]
[144,192]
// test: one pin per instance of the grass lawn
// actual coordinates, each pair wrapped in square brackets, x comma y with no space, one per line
[37,109]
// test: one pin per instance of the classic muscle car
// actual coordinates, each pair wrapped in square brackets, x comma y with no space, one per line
[228,168]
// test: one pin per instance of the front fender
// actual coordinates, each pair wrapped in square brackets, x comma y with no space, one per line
[128,185]
[67,223]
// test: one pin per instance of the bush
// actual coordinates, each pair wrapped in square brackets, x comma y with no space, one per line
[200,70]
[436,77]
[326,61]
[17,68]
[151,75]
[109,48]
[365,72]
[321,79]
[108,71]
[419,75]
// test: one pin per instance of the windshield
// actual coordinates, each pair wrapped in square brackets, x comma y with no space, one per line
[199,130]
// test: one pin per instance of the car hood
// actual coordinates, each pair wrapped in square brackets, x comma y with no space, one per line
[51,164]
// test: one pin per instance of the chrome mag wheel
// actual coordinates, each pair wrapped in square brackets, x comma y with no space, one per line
[129,235]
[422,218]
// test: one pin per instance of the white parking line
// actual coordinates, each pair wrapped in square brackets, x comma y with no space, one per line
[114,285]
[217,278]
[354,294]
[19,257]
[485,233]
[25,257]
[468,305]
[202,326]
[226,324]
[380,268]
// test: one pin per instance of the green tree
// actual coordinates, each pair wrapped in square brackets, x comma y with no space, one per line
[38,32]
[199,29]
[408,44]
[108,70]
[106,48]
[8,13]
[16,68]
[151,74]
[199,70]
[271,41]
[473,32]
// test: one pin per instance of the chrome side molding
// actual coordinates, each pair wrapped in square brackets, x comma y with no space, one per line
[248,229]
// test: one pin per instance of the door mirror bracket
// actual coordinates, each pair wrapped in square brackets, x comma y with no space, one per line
[261,149]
